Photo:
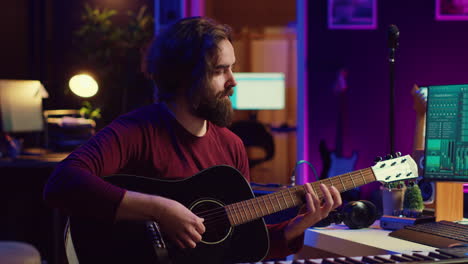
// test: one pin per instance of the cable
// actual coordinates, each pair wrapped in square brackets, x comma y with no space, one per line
[293,174]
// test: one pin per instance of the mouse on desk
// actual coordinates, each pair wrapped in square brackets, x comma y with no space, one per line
[456,249]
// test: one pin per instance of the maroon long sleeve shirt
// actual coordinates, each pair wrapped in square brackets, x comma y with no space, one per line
[146,142]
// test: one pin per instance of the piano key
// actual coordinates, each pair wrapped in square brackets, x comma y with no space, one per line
[342,261]
[385,259]
[425,257]
[329,261]
[371,260]
[400,258]
[439,256]
[354,260]
[306,261]
[416,258]
[450,256]
[298,261]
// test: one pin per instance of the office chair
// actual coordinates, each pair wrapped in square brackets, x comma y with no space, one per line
[15,252]
[255,134]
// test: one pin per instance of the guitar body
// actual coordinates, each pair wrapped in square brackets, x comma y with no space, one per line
[335,164]
[128,242]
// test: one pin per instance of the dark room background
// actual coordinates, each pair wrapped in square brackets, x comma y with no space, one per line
[37,43]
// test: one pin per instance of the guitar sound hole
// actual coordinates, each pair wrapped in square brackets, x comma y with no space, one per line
[216,221]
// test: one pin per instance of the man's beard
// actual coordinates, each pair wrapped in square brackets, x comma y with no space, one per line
[216,108]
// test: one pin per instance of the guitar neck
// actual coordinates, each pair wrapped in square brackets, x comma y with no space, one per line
[249,210]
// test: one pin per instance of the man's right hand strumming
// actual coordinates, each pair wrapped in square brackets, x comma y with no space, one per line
[177,222]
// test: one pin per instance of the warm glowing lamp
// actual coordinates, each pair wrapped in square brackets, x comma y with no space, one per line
[83,85]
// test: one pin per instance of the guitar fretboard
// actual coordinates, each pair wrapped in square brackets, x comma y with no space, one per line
[249,210]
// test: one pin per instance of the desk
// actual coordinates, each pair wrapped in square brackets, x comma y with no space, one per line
[340,241]
[25,216]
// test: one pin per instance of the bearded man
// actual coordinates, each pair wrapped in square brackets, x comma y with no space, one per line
[183,133]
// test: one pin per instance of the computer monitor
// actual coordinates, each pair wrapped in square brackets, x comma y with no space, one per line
[446,139]
[259,91]
[21,106]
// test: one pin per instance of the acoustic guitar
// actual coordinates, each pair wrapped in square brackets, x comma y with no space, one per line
[235,230]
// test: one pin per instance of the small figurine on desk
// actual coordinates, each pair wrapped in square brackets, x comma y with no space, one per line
[9,147]
[392,197]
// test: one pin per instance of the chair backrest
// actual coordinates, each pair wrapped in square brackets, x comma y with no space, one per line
[69,247]
[255,134]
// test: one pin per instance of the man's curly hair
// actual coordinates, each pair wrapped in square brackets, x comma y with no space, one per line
[181,60]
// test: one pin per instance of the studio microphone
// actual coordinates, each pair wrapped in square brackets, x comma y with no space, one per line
[393,36]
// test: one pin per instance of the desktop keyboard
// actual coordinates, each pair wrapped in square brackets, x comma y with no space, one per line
[439,234]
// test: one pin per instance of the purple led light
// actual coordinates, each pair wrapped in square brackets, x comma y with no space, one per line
[452,10]
[353,15]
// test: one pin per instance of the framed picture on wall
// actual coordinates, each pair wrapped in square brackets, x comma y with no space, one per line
[352,14]
[451,9]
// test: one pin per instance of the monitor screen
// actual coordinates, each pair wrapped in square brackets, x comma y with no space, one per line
[259,91]
[446,141]
[21,106]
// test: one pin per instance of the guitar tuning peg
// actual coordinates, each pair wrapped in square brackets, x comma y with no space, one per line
[388,157]
[397,154]
[378,159]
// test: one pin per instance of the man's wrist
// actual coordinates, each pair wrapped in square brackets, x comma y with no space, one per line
[294,229]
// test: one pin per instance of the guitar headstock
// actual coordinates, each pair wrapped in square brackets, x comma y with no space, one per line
[396,169]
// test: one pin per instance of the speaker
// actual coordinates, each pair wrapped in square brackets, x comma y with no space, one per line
[428,191]
[355,215]
[427,187]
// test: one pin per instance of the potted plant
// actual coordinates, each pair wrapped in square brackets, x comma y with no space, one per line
[89,112]
[112,51]
[413,204]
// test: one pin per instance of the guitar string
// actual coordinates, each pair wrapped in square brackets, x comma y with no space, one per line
[278,195]
[220,213]
[237,212]
[257,201]
[222,216]
[237,208]
[217,214]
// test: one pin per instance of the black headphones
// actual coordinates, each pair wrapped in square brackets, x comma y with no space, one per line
[355,214]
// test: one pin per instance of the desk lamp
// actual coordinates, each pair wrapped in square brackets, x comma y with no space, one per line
[69,128]
[83,85]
